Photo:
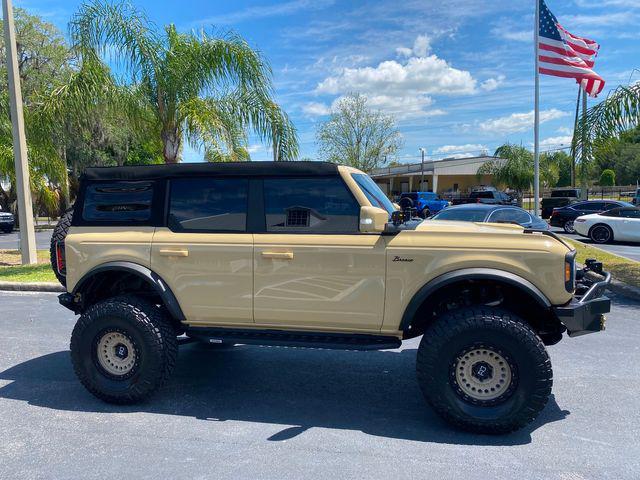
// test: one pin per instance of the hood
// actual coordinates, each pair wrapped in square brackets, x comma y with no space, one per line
[451,226]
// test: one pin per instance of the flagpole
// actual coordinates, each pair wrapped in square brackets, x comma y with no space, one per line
[536,118]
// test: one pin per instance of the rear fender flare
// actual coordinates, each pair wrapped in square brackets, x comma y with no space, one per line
[148,275]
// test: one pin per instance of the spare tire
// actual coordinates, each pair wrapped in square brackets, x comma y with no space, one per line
[57,241]
[405,203]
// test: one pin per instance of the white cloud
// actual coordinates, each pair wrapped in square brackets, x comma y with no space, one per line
[518,122]
[316,109]
[514,35]
[404,51]
[256,12]
[602,20]
[254,148]
[556,142]
[492,83]
[428,75]
[565,130]
[467,149]
[422,46]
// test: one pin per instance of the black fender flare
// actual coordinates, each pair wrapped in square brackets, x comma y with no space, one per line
[148,275]
[470,274]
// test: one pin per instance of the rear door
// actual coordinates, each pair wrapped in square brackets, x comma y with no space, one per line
[205,253]
[313,268]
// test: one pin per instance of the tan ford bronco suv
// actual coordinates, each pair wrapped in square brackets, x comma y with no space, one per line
[312,254]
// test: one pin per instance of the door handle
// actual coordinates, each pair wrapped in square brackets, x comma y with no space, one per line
[282,255]
[174,253]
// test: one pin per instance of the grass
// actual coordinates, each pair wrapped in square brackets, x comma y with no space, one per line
[622,269]
[12,271]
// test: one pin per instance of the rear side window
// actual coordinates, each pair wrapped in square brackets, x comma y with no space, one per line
[510,215]
[208,205]
[118,202]
[310,205]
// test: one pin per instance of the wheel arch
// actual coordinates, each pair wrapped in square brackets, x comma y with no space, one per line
[536,307]
[117,273]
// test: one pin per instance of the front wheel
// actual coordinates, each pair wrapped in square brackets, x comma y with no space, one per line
[484,370]
[568,227]
[426,213]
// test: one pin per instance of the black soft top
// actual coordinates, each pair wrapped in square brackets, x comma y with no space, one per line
[225,169]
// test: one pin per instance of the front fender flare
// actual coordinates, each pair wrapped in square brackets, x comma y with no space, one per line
[470,274]
[148,275]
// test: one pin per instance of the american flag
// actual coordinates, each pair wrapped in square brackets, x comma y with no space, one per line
[563,54]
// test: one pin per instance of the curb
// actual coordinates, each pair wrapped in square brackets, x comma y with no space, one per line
[31,287]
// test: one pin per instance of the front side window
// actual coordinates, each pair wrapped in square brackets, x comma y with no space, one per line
[510,215]
[208,205]
[310,205]
[462,214]
[372,191]
[122,201]
[630,213]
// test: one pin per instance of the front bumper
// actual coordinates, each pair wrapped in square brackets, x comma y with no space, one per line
[585,313]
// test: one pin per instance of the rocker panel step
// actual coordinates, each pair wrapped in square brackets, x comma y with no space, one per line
[334,341]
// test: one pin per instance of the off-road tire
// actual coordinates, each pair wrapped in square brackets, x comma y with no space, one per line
[59,234]
[569,227]
[150,331]
[484,326]
[426,212]
[595,237]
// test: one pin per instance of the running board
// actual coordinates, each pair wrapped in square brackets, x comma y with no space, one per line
[333,341]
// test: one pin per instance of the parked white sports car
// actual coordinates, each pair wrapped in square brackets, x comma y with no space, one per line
[622,224]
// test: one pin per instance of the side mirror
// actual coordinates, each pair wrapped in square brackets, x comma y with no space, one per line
[373,219]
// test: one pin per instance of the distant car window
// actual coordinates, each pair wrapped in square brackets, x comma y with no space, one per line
[208,205]
[118,202]
[510,215]
[615,212]
[630,213]
[310,205]
[593,206]
[462,214]
[481,195]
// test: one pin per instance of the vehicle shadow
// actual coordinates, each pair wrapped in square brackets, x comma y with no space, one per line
[373,392]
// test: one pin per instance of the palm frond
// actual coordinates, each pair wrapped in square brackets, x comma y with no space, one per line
[619,112]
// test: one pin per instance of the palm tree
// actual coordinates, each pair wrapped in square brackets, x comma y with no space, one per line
[203,89]
[619,112]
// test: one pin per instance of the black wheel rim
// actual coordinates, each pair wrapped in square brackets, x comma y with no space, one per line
[601,234]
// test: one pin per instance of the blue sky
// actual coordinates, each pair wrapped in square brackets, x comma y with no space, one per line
[457,74]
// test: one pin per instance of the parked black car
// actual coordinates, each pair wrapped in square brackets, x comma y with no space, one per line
[6,221]
[480,212]
[564,217]
[560,197]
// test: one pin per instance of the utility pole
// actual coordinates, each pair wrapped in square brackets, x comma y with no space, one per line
[422,170]
[536,117]
[25,208]
[574,139]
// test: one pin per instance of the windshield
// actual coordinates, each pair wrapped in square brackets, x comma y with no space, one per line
[373,193]
[462,214]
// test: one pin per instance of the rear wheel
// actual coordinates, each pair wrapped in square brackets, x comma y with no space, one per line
[601,234]
[484,370]
[568,227]
[123,349]
[426,213]
[56,249]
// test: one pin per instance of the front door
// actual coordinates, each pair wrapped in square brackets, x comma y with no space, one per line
[205,253]
[313,269]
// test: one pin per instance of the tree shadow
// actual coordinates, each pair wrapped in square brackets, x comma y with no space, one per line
[373,392]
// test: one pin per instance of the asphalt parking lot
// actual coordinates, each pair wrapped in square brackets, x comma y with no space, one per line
[11,241]
[279,413]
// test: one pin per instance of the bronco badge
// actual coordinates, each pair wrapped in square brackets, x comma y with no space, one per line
[400,259]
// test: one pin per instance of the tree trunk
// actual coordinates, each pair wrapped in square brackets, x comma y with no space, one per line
[170,145]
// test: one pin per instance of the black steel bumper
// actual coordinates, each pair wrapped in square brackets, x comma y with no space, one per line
[586,313]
